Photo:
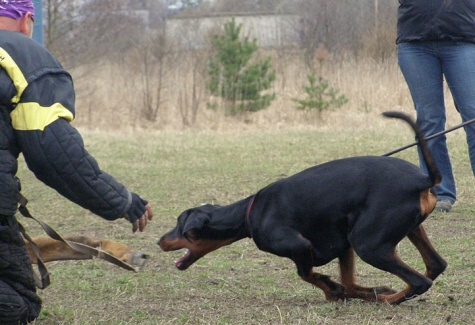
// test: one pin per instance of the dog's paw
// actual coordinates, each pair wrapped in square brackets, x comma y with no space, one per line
[383,290]
[368,293]
[336,293]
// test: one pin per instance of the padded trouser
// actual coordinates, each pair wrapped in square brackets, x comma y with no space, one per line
[19,303]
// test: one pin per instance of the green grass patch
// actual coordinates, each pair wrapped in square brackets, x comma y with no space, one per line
[238,284]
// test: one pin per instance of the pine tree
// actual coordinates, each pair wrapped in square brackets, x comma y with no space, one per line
[232,76]
[320,95]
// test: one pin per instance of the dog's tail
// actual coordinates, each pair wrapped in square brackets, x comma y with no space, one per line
[434,173]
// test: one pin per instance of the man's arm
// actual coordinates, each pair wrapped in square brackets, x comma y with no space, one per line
[55,153]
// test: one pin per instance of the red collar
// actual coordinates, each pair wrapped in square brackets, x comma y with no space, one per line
[248,212]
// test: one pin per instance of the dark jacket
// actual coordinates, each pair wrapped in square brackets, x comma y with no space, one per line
[436,20]
[36,108]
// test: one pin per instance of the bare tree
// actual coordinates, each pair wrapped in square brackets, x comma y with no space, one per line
[344,25]
[154,55]
[285,50]
[80,32]
[144,69]
[191,60]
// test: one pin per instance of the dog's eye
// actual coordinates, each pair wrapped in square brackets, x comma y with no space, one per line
[187,237]
[190,235]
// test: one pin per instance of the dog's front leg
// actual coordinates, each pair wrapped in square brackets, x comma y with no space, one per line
[353,290]
[287,242]
[333,291]
[304,258]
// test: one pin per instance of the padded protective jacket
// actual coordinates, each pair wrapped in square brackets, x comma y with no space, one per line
[436,20]
[36,108]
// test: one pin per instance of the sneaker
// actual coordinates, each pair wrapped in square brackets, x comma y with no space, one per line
[443,206]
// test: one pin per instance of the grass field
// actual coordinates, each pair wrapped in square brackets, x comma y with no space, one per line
[239,284]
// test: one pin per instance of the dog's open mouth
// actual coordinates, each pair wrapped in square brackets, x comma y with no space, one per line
[184,262]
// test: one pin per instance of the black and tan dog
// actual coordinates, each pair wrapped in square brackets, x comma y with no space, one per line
[362,204]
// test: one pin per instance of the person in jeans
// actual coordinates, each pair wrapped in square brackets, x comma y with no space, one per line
[36,108]
[436,40]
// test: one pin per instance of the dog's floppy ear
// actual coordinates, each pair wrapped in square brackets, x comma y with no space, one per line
[197,218]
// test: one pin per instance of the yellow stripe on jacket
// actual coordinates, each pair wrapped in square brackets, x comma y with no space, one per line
[32,116]
[29,116]
[14,72]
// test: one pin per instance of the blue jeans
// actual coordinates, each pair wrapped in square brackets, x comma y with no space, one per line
[424,66]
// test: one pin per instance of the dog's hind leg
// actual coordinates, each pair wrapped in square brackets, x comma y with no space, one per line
[435,264]
[353,290]
[383,256]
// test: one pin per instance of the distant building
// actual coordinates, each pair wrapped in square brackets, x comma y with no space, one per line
[269,30]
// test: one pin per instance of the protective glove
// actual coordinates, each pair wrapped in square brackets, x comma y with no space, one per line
[137,208]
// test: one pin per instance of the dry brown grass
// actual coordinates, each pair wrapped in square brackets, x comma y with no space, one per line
[371,87]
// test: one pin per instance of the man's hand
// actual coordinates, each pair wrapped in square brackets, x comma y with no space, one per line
[141,223]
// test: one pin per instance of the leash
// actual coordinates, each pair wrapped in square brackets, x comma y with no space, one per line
[246,217]
[43,281]
[431,137]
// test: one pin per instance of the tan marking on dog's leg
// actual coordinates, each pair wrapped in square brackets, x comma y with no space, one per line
[352,289]
[333,291]
[347,270]
[427,202]
[395,298]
